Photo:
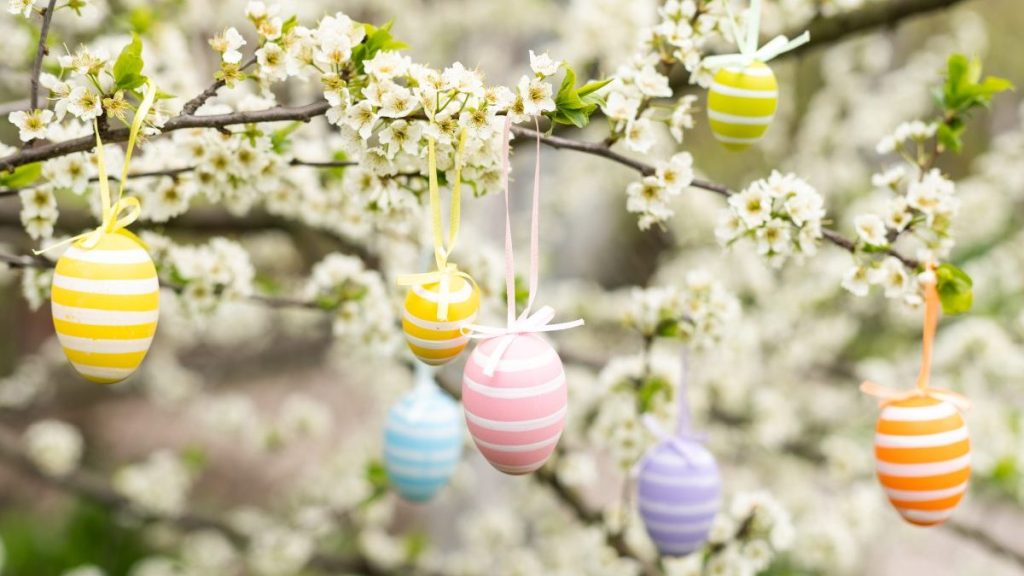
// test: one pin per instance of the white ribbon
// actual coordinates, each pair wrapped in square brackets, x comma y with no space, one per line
[526,323]
[747,43]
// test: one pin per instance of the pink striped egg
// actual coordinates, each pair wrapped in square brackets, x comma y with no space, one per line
[517,415]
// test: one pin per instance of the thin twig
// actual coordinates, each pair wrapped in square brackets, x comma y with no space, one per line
[85,143]
[986,540]
[603,151]
[37,66]
[194,104]
[178,171]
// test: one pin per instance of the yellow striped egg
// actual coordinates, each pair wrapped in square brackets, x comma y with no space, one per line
[105,303]
[741,104]
[432,339]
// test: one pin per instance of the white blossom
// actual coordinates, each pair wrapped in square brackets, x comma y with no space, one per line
[31,125]
[54,446]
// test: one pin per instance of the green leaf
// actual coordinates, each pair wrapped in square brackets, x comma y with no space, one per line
[593,86]
[194,458]
[279,139]
[955,289]
[964,88]
[949,135]
[128,67]
[377,475]
[574,105]
[22,176]
[377,39]
[649,390]
[289,24]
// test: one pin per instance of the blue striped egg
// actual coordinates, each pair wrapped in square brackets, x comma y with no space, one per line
[422,443]
[679,492]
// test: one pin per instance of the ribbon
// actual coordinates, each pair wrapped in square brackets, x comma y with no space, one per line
[747,43]
[445,270]
[124,211]
[684,433]
[524,323]
[425,384]
[887,395]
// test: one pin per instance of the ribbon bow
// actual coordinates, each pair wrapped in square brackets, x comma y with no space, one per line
[886,395]
[525,323]
[445,271]
[119,214]
[747,43]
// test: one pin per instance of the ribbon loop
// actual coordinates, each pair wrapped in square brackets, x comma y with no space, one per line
[746,42]
[886,395]
[526,322]
[445,270]
[123,211]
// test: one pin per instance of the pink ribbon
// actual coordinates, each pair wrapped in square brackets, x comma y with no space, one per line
[525,323]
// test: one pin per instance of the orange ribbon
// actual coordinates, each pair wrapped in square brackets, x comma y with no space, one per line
[886,395]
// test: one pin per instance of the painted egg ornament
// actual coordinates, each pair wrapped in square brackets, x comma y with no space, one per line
[437,338]
[679,492]
[516,415]
[744,93]
[422,443]
[105,306]
[741,104]
[923,458]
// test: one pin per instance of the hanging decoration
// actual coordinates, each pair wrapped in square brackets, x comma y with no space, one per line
[513,386]
[440,303]
[679,490]
[422,440]
[105,291]
[922,445]
[744,93]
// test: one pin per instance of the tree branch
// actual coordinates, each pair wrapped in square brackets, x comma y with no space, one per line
[93,487]
[603,151]
[37,65]
[985,540]
[186,169]
[828,30]
[85,143]
[194,104]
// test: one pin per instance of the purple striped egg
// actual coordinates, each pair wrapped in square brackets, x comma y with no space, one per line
[679,492]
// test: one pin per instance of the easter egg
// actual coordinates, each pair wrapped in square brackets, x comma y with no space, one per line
[432,339]
[679,492]
[741,104]
[105,304]
[422,443]
[517,415]
[923,458]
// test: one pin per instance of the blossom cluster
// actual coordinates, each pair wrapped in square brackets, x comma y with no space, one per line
[918,214]
[204,274]
[159,484]
[364,315]
[650,197]
[698,311]
[684,27]
[781,214]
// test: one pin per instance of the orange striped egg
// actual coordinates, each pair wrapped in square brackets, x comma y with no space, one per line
[432,339]
[105,304]
[923,458]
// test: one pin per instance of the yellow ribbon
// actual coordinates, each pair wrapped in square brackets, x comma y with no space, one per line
[887,395]
[119,214]
[445,270]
